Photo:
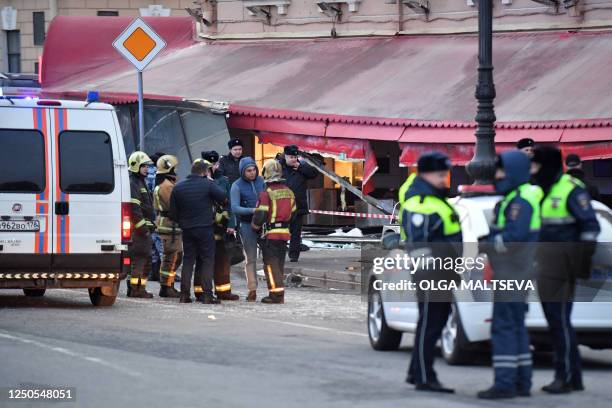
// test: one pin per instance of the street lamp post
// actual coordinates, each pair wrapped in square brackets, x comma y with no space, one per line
[482,166]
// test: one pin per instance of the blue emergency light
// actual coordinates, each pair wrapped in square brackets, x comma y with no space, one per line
[93,96]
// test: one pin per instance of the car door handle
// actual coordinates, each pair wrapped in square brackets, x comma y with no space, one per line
[62,208]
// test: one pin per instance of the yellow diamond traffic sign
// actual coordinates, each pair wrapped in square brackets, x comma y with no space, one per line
[139,44]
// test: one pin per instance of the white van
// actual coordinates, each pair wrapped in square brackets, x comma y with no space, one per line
[64,198]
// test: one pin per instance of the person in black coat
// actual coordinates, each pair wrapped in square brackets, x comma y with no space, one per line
[296,175]
[574,169]
[229,164]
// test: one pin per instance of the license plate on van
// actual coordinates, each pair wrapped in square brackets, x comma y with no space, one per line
[20,226]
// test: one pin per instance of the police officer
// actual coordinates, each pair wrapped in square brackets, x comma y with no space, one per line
[574,169]
[224,224]
[143,223]
[511,253]
[191,205]
[526,145]
[567,243]
[274,209]
[296,175]
[401,194]
[229,165]
[430,224]
[168,230]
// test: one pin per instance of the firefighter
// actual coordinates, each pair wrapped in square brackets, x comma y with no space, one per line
[430,227]
[224,224]
[168,230]
[143,222]
[568,241]
[274,209]
[511,251]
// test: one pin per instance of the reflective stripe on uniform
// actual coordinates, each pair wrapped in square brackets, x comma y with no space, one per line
[140,223]
[559,221]
[276,290]
[135,201]
[271,277]
[223,288]
[262,208]
[198,289]
[136,281]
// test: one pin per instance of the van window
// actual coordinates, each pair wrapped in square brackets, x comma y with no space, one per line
[22,154]
[86,162]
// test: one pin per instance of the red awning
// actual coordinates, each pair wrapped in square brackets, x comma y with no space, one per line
[551,86]
[589,143]
[338,147]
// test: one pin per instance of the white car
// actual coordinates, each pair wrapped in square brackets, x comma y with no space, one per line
[468,328]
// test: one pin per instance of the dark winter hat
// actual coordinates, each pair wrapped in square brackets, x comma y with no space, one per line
[234,143]
[572,160]
[291,150]
[525,142]
[211,156]
[434,161]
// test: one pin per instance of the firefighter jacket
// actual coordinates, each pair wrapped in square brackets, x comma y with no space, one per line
[143,217]
[161,199]
[274,209]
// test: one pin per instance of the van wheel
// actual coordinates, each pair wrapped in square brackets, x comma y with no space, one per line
[34,292]
[382,337]
[100,299]
[454,341]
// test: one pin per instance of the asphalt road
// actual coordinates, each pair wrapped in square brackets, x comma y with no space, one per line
[310,352]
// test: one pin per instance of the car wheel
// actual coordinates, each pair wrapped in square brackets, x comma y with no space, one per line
[382,337]
[453,342]
[34,292]
[100,299]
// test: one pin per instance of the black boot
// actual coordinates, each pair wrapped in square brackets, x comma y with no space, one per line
[139,291]
[185,298]
[210,300]
[168,292]
[558,387]
[228,295]
[496,393]
[274,298]
[577,385]
[433,386]
[129,287]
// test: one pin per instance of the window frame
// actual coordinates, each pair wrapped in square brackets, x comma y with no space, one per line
[35,32]
[13,53]
[44,164]
[59,164]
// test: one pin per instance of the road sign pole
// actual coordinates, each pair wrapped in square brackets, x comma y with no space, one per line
[139,44]
[141,130]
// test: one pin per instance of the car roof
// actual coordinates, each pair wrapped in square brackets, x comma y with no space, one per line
[20,102]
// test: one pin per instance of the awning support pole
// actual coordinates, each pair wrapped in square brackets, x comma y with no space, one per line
[482,165]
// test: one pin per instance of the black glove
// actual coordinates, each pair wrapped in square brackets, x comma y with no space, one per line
[586,251]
